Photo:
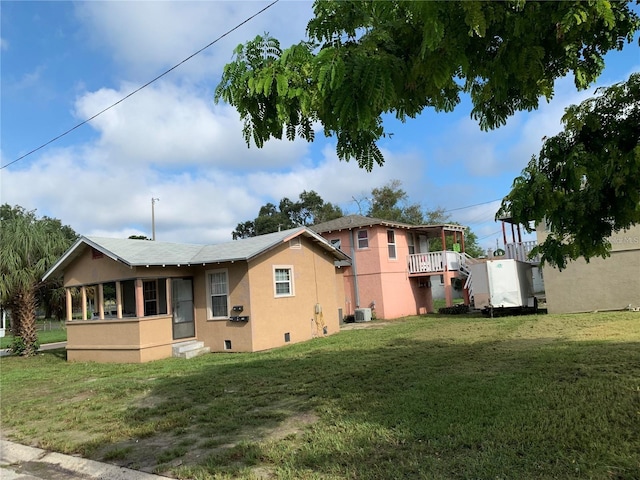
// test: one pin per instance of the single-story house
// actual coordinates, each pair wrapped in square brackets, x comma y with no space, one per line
[136,299]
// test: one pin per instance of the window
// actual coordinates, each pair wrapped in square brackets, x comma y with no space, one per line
[363,239]
[218,294]
[154,293]
[150,291]
[336,242]
[412,243]
[283,281]
[391,244]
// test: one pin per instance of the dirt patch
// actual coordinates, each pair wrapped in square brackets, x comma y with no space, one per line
[361,325]
[292,426]
[164,451]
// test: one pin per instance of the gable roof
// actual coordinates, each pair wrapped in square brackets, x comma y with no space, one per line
[134,253]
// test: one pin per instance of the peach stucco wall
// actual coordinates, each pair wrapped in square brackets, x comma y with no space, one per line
[214,332]
[315,283]
[252,286]
[131,340]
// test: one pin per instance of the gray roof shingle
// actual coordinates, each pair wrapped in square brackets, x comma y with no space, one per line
[144,253]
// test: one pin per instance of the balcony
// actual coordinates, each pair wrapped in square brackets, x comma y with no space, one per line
[520,251]
[436,262]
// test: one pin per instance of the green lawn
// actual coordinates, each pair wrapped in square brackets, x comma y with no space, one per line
[49,331]
[535,397]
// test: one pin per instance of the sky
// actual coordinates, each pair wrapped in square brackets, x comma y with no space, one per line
[63,62]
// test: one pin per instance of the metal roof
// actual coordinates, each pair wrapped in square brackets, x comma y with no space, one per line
[147,253]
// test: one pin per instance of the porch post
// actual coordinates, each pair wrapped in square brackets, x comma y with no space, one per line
[101,301]
[462,241]
[169,298]
[118,300]
[504,234]
[83,292]
[444,243]
[465,296]
[139,298]
[67,292]
[447,289]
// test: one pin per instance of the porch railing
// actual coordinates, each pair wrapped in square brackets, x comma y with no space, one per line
[520,251]
[433,262]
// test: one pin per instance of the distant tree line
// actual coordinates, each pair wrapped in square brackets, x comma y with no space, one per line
[389,202]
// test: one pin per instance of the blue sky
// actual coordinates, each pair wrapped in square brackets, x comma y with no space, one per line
[62,62]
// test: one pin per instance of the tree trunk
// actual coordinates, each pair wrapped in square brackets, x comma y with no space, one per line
[25,317]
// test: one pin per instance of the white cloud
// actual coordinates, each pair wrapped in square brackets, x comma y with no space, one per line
[177,126]
[145,37]
[4,44]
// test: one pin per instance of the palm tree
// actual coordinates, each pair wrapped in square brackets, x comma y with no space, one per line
[28,247]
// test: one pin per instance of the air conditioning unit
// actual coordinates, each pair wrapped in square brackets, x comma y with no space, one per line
[363,314]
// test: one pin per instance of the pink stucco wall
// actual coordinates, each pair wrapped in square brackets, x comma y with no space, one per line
[383,283]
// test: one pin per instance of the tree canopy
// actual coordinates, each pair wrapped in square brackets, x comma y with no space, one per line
[308,210]
[585,182]
[391,202]
[364,59]
[28,247]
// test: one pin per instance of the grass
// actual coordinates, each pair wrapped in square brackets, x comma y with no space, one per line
[49,331]
[433,397]
[441,302]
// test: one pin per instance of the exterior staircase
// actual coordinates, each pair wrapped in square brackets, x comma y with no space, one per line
[465,271]
[189,349]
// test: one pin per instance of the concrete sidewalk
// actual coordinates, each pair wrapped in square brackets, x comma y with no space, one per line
[19,462]
[47,346]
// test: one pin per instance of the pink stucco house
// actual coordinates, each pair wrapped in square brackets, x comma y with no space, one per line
[392,266]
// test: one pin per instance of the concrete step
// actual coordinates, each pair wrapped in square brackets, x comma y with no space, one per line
[195,353]
[189,349]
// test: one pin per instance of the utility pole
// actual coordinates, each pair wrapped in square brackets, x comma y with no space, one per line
[153,218]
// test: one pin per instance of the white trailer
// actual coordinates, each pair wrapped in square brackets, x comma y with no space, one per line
[502,284]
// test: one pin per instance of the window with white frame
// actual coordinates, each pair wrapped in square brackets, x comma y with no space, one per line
[218,287]
[363,239]
[391,244]
[411,243]
[283,281]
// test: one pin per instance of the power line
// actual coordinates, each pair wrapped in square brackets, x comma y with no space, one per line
[471,206]
[143,86]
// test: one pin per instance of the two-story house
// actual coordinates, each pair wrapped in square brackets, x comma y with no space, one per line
[392,265]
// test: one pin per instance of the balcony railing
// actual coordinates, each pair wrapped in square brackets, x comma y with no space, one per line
[433,262]
[520,251]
